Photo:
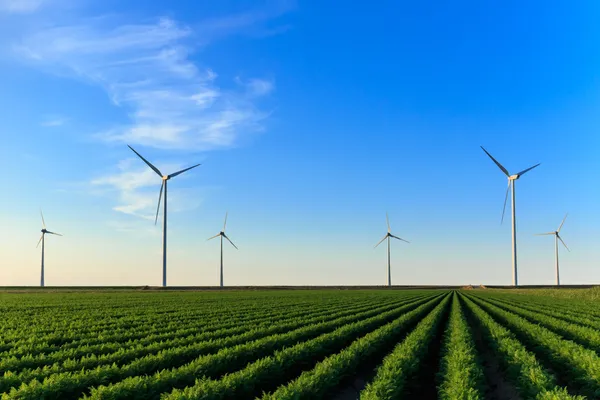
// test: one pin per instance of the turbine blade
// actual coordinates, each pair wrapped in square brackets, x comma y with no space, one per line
[182,171]
[40,241]
[399,238]
[563,242]
[563,221]
[385,237]
[147,162]
[159,197]
[43,222]
[216,236]
[225,223]
[54,233]
[547,233]
[497,163]
[231,242]
[528,169]
[387,218]
[505,200]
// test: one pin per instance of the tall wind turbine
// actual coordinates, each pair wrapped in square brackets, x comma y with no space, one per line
[43,241]
[163,185]
[556,239]
[388,236]
[511,186]
[223,235]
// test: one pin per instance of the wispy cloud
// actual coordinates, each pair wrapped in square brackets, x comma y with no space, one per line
[53,121]
[172,102]
[20,6]
[137,188]
[257,87]
[150,69]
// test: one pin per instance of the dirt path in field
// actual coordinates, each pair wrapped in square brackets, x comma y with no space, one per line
[498,388]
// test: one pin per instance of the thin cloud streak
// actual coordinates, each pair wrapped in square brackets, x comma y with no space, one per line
[172,102]
[137,188]
[20,6]
[54,121]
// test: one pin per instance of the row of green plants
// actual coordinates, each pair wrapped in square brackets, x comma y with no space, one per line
[161,330]
[521,366]
[169,362]
[215,339]
[583,335]
[572,315]
[461,374]
[270,372]
[580,366]
[180,337]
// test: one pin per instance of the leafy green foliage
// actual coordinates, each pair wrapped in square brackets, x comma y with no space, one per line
[460,371]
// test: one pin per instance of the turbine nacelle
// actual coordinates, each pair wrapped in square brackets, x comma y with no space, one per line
[514,177]
[44,230]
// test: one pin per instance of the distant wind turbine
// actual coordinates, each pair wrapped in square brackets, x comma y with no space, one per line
[223,235]
[556,239]
[511,185]
[163,185]
[387,236]
[43,241]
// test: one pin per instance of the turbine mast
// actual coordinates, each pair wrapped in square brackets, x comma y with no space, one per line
[42,275]
[514,237]
[389,264]
[221,260]
[556,253]
[164,282]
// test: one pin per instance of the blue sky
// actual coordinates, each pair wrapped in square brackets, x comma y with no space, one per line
[311,121]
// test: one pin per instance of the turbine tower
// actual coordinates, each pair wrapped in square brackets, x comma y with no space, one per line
[223,235]
[556,239]
[388,236]
[511,186]
[163,185]
[43,241]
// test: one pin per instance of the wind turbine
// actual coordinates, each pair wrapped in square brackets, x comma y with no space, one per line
[223,235]
[43,240]
[388,236]
[556,239]
[163,185]
[511,186]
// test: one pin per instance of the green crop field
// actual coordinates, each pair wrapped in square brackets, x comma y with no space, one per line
[300,344]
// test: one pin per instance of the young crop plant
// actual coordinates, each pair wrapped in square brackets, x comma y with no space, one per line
[461,374]
[521,366]
[317,383]
[404,361]
[276,370]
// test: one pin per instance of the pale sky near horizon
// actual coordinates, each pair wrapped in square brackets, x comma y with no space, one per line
[311,121]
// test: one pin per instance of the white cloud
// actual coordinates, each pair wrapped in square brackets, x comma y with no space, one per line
[54,121]
[20,6]
[137,188]
[260,87]
[172,102]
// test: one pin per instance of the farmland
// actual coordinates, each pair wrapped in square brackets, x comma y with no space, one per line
[299,344]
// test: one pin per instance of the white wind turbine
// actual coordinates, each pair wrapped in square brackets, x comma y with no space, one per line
[388,236]
[556,239]
[511,186]
[163,185]
[223,235]
[43,241]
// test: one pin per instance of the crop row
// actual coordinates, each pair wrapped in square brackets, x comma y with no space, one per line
[215,340]
[102,345]
[216,354]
